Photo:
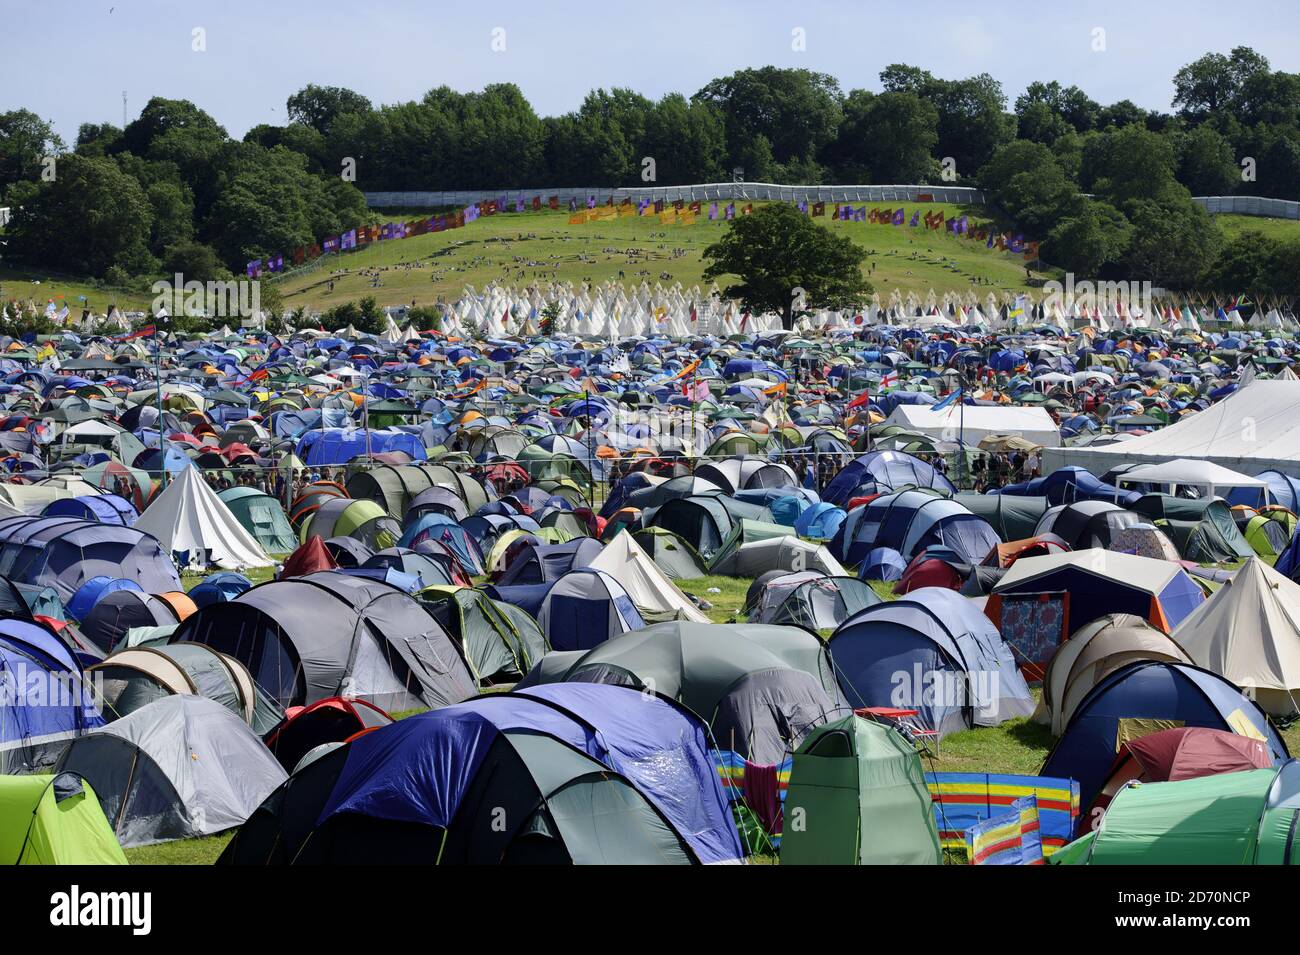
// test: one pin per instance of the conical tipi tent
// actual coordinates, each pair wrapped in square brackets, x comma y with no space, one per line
[193,524]
[1249,633]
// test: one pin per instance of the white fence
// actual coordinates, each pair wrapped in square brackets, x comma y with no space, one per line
[1251,206]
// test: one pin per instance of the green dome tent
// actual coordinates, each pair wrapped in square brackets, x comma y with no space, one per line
[857,796]
[1242,818]
[54,820]
[260,515]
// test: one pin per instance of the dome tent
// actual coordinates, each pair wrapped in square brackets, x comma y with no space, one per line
[181,767]
[583,774]
[1140,698]
[54,820]
[263,518]
[499,641]
[334,719]
[330,634]
[959,671]
[759,688]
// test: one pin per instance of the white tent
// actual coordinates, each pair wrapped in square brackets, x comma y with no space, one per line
[197,528]
[1253,430]
[1186,472]
[1249,633]
[976,422]
[650,589]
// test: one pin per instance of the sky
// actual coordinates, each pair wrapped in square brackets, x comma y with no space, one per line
[70,60]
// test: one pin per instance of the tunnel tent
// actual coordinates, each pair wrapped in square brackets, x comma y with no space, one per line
[588,774]
[263,518]
[393,487]
[861,787]
[331,634]
[499,641]
[191,522]
[54,820]
[1240,818]
[787,553]
[64,553]
[133,678]
[1013,517]
[181,767]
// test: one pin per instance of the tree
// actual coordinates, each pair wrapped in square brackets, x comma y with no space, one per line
[1206,164]
[785,260]
[195,261]
[686,140]
[973,121]
[97,139]
[318,106]
[886,139]
[25,139]
[796,111]
[92,218]
[1097,235]
[1214,83]
[1027,182]
[1173,242]
[1128,163]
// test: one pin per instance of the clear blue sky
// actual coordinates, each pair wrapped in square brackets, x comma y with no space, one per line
[69,60]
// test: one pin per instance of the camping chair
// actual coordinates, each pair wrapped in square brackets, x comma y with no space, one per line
[905,721]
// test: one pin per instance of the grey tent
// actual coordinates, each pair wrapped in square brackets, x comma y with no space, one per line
[133,678]
[759,688]
[181,767]
[334,634]
[122,610]
[788,553]
[811,599]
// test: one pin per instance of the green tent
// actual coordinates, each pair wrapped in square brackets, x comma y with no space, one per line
[676,558]
[1201,528]
[54,820]
[260,515]
[857,796]
[499,641]
[1242,818]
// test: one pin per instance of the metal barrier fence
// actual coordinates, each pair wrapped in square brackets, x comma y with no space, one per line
[688,193]
[1250,206]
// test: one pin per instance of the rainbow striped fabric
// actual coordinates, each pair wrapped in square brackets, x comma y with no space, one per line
[964,800]
[1010,838]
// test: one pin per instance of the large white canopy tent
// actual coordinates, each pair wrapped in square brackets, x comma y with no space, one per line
[974,423]
[1203,475]
[1255,429]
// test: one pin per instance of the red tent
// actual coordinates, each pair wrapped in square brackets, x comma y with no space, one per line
[309,558]
[1185,752]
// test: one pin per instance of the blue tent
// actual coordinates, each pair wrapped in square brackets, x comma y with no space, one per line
[882,563]
[332,446]
[582,773]
[879,472]
[910,521]
[89,594]
[104,508]
[1070,484]
[934,652]
[821,520]
[1180,693]
[439,527]
[63,553]
[1282,489]
[30,655]
[219,588]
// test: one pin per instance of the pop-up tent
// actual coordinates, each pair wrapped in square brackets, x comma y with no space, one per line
[579,774]
[191,522]
[54,820]
[858,789]
[1241,818]
[263,518]
[1249,632]
[499,641]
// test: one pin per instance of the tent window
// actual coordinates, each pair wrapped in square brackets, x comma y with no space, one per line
[833,744]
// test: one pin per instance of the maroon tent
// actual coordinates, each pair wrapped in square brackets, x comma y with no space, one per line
[308,559]
[1182,753]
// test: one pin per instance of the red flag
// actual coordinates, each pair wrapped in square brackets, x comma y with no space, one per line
[860,400]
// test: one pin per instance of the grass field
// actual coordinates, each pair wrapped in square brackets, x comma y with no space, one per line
[1234,225]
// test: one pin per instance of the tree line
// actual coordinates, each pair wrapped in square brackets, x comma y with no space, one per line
[1106,187]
